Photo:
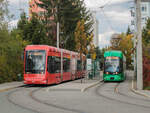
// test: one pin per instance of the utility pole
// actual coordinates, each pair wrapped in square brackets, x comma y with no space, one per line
[58,35]
[139,46]
[57,27]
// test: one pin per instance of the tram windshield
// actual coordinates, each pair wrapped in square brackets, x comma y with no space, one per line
[35,61]
[112,64]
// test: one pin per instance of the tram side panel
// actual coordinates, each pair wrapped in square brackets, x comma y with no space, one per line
[53,68]
[73,67]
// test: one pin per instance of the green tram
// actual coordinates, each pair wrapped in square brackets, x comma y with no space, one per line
[114,66]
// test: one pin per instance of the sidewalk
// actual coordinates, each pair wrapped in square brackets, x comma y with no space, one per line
[10,85]
[145,93]
[80,84]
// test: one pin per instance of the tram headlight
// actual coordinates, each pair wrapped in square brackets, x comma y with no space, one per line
[116,72]
[107,72]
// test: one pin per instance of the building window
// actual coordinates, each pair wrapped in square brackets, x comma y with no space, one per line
[144,8]
[132,22]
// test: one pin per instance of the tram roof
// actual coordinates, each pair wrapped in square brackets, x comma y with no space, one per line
[46,47]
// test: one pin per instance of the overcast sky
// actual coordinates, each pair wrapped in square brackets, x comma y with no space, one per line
[113,18]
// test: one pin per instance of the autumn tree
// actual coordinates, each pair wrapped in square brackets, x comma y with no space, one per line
[128,31]
[82,39]
[146,39]
[146,52]
[125,44]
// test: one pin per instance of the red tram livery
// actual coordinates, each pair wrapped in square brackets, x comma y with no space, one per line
[49,65]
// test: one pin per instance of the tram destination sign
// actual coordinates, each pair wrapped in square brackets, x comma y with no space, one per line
[112,57]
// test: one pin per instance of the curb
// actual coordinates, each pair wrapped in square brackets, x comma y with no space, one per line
[90,86]
[3,90]
[138,92]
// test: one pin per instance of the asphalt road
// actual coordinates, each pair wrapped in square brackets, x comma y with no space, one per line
[110,97]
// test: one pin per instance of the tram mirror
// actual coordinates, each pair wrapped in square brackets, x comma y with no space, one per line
[22,56]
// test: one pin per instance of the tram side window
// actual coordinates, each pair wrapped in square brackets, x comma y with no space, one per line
[79,65]
[84,65]
[121,65]
[66,64]
[53,64]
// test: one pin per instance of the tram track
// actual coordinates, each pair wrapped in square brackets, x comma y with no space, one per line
[8,96]
[53,105]
[31,95]
[132,97]
[97,92]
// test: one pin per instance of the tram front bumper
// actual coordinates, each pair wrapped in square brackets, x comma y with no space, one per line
[34,81]
[112,78]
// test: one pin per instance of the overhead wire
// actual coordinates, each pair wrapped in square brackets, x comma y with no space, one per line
[108,21]
[102,9]
[106,4]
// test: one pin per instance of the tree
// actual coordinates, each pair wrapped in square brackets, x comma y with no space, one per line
[3,14]
[124,44]
[67,13]
[38,32]
[49,17]
[82,40]
[146,33]
[146,53]
[22,25]
[11,47]
[33,30]
[128,31]
[77,12]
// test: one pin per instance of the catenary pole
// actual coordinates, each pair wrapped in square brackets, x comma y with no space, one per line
[139,46]
[57,34]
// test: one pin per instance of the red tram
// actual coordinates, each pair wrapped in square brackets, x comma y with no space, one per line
[49,65]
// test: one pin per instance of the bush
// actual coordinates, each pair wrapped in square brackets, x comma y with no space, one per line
[11,48]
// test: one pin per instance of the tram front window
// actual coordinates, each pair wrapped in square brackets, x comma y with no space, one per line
[35,62]
[112,65]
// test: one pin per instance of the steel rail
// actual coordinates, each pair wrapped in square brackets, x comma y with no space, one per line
[113,99]
[53,105]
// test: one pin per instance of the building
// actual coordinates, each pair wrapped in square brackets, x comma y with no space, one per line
[33,7]
[145,13]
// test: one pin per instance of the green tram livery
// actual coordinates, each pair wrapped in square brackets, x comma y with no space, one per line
[114,66]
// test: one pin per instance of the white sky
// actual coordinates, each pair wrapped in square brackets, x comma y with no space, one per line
[98,3]
[115,19]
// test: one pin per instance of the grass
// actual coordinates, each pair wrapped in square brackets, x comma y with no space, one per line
[147,88]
